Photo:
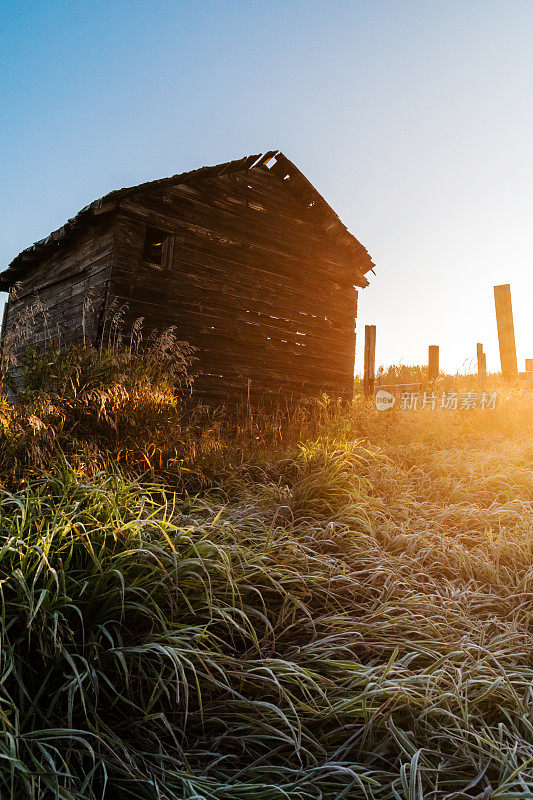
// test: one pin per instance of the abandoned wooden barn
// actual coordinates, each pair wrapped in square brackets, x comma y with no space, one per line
[246,259]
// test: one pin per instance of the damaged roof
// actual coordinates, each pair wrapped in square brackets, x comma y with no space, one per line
[274,161]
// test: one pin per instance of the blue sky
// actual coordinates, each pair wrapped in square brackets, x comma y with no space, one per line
[413,119]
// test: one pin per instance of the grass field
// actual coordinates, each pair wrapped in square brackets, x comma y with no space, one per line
[327,603]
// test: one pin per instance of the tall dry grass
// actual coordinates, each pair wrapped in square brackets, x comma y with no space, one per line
[325,602]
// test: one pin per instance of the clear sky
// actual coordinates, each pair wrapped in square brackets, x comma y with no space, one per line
[414,118]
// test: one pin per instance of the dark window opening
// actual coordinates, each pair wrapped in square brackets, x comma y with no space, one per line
[156,246]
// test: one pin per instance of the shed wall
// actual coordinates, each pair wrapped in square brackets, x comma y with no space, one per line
[252,281]
[61,298]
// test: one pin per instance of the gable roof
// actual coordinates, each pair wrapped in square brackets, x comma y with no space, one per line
[273,161]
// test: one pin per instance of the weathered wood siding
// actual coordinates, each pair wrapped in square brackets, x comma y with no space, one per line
[251,280]
[61,299]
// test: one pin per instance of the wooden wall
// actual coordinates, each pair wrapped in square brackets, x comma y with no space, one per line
[61,298]
[251,280]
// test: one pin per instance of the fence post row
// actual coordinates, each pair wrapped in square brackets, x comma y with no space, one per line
[506,341]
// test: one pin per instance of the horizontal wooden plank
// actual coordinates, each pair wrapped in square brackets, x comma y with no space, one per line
[222,390]
[176,301]
[288,297]
[310,260]
[239,348]
[248,237]
[209,264]
[86,251]
[194,325]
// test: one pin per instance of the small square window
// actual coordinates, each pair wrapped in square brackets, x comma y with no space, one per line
[157,247]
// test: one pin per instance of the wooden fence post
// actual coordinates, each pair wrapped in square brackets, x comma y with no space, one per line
[370,360]
[504,320]
[481,364]
[433,362]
